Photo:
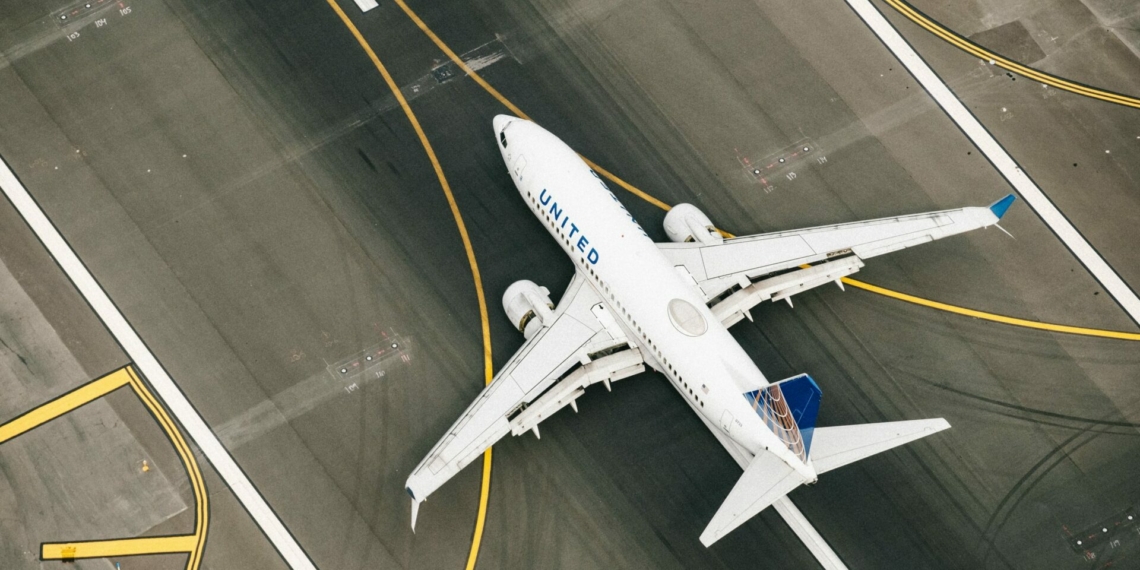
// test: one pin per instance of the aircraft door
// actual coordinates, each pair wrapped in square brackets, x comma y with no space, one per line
[726,421]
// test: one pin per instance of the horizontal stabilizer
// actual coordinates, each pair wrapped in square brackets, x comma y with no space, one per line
[765,480]
[834,447]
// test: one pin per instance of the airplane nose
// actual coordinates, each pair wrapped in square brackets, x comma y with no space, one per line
[501,122]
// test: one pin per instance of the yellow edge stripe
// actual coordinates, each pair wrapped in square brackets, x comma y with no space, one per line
[118,547]
[488,373]
[911,13]
[990,316]
[197,484]
[45,413]
[952,37]
[859,284]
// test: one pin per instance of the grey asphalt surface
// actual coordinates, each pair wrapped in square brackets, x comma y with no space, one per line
[81,477]
[247,192]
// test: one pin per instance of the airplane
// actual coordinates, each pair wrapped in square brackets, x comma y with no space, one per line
[634,303]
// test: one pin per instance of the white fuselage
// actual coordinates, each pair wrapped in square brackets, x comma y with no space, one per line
[637,283]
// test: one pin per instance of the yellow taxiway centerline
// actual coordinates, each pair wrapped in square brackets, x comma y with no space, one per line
[488,371]
[47,412]
[1013,321]
[118,547]
[914,15]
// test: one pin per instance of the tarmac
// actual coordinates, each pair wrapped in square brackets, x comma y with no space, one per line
[244,185]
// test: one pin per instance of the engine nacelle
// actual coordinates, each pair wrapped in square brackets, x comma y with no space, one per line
[528,306]
[685,223]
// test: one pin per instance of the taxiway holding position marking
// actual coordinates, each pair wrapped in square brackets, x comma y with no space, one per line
[163,384]
[192,544]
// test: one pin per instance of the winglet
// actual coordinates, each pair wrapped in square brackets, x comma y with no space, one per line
[415,513]
[999,208]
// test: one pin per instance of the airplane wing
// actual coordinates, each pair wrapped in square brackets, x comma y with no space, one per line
[771,266]
[582,345]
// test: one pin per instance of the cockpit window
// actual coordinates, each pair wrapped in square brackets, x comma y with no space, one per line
[503,137]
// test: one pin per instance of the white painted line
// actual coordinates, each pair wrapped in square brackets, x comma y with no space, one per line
[366,5]
[1001,160]
[807,534]
[170,394]
[787,510]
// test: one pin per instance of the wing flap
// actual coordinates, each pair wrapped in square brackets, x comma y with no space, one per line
[540,374]
[721,267]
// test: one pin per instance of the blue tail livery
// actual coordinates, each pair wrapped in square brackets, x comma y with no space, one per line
[789,408]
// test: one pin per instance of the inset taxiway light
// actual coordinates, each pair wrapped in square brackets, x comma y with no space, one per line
[1078,543]
[63,17]
[344,371]
[1129,517]
[368,358]
[781,161]
[88,5]
[805,149]
[394,345]
[755,171]
[1104,530]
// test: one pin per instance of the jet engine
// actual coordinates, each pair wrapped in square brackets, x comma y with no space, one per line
[528,306]
[685,223]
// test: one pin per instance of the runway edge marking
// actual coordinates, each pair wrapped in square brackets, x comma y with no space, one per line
[164,386]
[996,154]
[799,524]
[488,367]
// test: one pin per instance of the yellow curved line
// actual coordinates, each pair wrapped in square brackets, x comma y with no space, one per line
[1119,335]
[488,372]
[513,108]
[856,283]
[192,544]
[914,15]
[197,484]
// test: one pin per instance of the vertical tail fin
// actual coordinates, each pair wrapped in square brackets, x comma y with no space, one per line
[789,408]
